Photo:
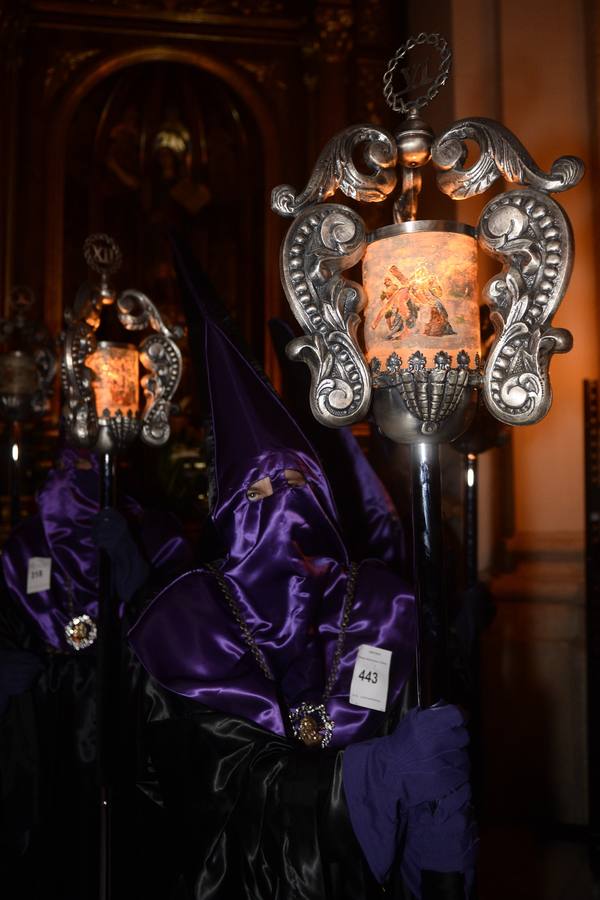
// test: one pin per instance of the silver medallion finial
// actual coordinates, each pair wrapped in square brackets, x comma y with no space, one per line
[417,73]
[102,254]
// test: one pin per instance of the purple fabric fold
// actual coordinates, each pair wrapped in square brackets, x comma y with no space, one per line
[441,837]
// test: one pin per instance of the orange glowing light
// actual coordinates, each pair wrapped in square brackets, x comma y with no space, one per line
[422,292]
[116,380]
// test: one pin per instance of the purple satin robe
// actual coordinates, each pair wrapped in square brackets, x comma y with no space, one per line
[62,531]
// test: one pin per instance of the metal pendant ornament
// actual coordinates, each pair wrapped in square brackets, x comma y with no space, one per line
[312,725]
[81,632]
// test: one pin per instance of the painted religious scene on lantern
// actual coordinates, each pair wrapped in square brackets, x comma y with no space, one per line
[116,378]
[422,296]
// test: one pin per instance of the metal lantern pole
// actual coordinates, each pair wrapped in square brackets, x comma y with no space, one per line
[427,554]
[484,433]
[101,412]
[14,471]
[108,695]
[420,370]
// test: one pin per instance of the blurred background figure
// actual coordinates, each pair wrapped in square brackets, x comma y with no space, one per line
[48,614]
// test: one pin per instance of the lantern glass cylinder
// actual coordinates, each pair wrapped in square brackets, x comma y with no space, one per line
[421,284]
[18,374]
[116,381]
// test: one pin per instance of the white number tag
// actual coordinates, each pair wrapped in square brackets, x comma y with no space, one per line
[371,677]
[38,574]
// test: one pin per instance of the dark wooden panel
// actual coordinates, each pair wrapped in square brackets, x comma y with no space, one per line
[592,549]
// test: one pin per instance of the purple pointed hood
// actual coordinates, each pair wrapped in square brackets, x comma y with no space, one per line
[286,568]
[250,424]
[285,550]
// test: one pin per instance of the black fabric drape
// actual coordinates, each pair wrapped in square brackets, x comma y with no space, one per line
[48,784]
[257,817]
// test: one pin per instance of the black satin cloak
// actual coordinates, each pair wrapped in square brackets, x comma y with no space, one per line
[49,800]
[255,816]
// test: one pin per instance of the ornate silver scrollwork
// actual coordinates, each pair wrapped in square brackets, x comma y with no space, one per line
[123,427]
[45,362]
[323,242]
[136,312]
[335,168]
[531,234]
[162,357]
[501,155]
[431,395]
[79,410]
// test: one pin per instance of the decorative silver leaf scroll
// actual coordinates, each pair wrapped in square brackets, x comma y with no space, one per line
[79,410]
[162,357]
[323,242]
[335,168]
[159,354]
[501,155]
[531,234]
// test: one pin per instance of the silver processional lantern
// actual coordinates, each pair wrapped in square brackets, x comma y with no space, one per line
[27,360]
[101,379]
[418,368]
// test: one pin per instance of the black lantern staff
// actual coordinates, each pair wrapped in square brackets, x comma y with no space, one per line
[483,433]
[420,370]
[101,382]
[477,608]
[27,369]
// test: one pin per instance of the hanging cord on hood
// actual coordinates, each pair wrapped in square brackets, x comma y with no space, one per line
[304,714]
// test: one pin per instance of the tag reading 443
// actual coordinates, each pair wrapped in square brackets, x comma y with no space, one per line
[371,677]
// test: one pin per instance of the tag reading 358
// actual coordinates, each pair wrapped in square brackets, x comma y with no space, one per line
[38,574]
